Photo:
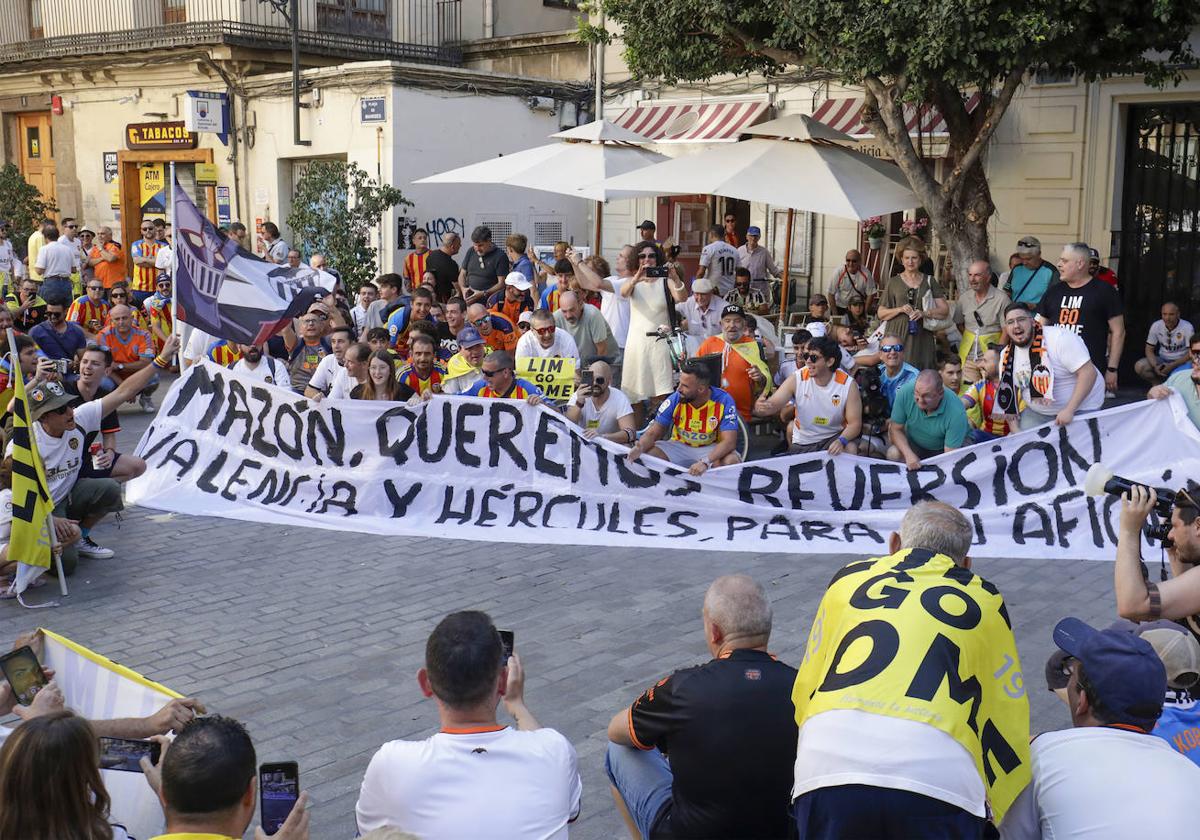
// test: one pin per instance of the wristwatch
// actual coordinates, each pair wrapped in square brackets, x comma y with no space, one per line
[120,366]
[1112,370]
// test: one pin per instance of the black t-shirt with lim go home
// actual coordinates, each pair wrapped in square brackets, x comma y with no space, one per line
[1084,311]
[729,729]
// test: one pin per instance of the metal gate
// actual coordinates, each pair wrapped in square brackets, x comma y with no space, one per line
[1158,245]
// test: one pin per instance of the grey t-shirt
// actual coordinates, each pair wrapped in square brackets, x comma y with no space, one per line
[484,272]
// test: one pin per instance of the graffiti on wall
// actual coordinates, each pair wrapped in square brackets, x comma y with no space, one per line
[406,226]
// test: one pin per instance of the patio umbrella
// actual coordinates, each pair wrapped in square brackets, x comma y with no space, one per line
[578,165]
[793,162]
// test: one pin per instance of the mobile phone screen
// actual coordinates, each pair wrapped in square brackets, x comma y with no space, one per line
[279,788]
[126,753]
[506,639]
[24,673]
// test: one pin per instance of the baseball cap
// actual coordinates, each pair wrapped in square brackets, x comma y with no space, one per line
[1179,652]
[469,337]
[1123,670]
[815,328]
[647,225]
[1029,243]
[1094,254]
[733,309]
[518,281]
[754,230]
[704,285]
[47,397]
[525,317]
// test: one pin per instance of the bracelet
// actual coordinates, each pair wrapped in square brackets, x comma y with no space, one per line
[630,435]
[160,363]
[842,440]
[1155,600]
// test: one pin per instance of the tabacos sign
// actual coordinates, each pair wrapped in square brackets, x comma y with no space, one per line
[159,135]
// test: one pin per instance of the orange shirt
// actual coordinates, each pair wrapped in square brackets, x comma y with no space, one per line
[735,372]
[504,334]
[109,272]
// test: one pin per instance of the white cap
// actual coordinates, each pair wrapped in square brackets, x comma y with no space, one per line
[1179,652]
[518,281]
[703,285]
[815,328]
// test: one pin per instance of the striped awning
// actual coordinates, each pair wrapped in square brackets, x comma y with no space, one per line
[845,115]
[714,122]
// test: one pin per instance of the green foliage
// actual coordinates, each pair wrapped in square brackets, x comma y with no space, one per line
[21,204]
[334,210]
[926,43]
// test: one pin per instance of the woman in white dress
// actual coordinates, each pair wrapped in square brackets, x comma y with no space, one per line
[646,370]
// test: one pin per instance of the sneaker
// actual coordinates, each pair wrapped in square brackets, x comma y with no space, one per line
[89,548]
[146,402]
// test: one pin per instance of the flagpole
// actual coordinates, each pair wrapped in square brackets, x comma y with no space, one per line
[14,369]
[174,285]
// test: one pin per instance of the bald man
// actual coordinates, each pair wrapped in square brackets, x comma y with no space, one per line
[852,279]
[979,314]
[729,726]
[132,349]
[602,409]
[927,420]
[587,326]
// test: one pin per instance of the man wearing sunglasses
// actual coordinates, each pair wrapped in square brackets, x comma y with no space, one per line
[107,259]
[143,252]
[601,409]
[980,316]
[497,331]
[1086,779]
[57,337]
[499,381]
[59,430]
[545,340]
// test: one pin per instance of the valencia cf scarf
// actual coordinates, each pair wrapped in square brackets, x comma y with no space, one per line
[1041,380]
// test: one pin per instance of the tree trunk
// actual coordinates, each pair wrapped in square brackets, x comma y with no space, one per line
[961,224]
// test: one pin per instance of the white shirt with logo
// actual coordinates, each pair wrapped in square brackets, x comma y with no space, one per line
[604,419]
[331,379]
[1171,345]
[63,456]
[268,370]
[1063,353]
[820,410]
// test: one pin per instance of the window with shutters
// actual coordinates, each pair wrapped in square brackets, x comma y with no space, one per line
[501,227]
[547,231]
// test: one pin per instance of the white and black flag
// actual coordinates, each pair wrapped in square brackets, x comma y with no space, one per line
[229,292]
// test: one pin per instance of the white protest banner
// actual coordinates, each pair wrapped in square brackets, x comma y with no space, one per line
[502,470]
[100,689]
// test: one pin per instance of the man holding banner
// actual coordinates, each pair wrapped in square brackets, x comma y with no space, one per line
[913,716]
[58,434]
[501,382]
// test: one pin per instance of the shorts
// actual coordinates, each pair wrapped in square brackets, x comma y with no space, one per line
[88,497]
[86,470]
[683,454]
[921,452]
[819,446]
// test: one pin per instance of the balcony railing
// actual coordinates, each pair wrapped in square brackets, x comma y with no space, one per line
[404,30]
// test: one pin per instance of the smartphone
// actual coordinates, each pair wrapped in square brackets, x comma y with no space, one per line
[24,673]
[586,379]
[126,754]
[506,639]
[656,271]
[278,790]
[62,366]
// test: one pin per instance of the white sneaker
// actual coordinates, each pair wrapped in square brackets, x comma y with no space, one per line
[146,402]
[89,548]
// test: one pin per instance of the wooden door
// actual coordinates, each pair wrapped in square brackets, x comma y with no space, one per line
[37,152]
[685,220]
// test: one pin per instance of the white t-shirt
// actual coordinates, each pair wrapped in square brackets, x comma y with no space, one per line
[271,371]
[1063,353]
[5,516]
[63,456]
[197,345]
[615,308]
[7,257]
[604,419]
[1172,344]
[162,258]
[500,784]
[1101,782]
[563,347]
[330,378]
[850,747]
[57,259]
[720,260]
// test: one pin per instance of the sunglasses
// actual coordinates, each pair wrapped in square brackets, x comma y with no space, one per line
[642,257]
[95,288]
[149,229]
[599,380]
[812,358]
[71,227]
[730,219]
[891,348]
[59,411]
[55,315]
[488,374]
[545,330]
[978,319]
[116,295]
[479,322]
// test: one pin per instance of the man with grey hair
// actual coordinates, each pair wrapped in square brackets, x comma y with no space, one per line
[1029,280]
[1088,307]
[911,723]
[702,311]
[728,725]
[927,419]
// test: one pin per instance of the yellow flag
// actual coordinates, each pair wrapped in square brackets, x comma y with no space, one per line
[914,636]
[29,544]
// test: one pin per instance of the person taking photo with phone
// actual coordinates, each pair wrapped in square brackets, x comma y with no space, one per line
[601,409]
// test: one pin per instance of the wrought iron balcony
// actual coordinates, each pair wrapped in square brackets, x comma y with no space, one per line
[403,30]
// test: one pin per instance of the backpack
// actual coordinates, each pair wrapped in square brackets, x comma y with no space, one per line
[875,408]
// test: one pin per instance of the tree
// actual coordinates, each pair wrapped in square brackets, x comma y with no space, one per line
[21,204]
[919,51]
[334,210]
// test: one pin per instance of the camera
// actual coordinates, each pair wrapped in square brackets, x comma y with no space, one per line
[656,271]
[1101,480]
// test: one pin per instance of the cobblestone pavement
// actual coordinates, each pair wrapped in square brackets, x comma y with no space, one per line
[313,638]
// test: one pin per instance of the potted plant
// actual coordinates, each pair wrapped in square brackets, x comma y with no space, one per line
[914,227]
[875,231]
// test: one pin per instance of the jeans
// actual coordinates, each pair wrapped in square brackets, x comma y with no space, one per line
[846,811]
[56,287]
[643,778]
